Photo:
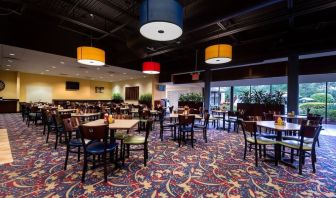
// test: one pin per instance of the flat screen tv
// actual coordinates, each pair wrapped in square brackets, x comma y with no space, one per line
[71,85]
[161,87]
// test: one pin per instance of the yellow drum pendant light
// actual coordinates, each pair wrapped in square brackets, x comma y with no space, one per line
[90,56]
[218,54]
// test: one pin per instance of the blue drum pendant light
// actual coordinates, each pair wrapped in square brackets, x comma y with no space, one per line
[161,20]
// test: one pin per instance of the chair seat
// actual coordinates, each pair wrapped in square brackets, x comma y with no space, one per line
[135,139]
[199,126]
[297,138]
[261,140]
[98,147]
[296,144]
[168,125]
[267,135]
[77,142]
[120,135]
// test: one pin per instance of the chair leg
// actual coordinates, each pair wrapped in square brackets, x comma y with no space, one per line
[48,134]
[292,156]
[105,167]
[245,149]
[84,168]
[256,154]
[123,155]
[66,156]
[78,154]
[192,139]
[145,156]
[260,151]
[300,162]
[56,142]
[161,134]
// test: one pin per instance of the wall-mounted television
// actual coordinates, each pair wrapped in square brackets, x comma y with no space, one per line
[161,87]
[71,85]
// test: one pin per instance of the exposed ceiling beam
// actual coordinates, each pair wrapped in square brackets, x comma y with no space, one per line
[300,12]
[237,14]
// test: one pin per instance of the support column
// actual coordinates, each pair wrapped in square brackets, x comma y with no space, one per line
[293,84]
[207,87]
[231,98]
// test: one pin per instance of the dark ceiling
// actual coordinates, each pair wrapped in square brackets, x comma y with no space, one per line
[258,30]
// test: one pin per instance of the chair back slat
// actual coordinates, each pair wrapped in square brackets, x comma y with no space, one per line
[186,119]
[309,131]
[94,132]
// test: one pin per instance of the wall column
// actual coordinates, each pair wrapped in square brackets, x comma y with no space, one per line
[293,83]
[231,98]
[207,87]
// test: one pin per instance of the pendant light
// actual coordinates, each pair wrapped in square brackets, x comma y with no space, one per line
[195,75]
[150,67]
[218,54]
[161,20]
[90,56]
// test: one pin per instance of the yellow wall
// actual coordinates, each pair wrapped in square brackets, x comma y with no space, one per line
[10,79]
[41,87]
[145,87]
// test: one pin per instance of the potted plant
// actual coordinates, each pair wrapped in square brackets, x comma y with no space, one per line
[146,99]
[117,98]
[192,100]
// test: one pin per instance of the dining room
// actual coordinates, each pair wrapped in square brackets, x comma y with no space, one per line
[169,98]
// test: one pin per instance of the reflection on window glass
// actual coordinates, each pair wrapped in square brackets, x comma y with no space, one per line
[312,98]
[225,97]
[264,88]
[331,103]
[237,93]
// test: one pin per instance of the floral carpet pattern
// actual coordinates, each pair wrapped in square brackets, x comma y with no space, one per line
[213,169]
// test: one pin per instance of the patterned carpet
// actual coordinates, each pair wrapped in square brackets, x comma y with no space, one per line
[213,169]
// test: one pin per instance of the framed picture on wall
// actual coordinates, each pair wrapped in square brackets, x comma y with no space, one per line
[99,89]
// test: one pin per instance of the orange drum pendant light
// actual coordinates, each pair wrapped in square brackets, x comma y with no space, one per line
[218,54]
[90,56]
[151,67]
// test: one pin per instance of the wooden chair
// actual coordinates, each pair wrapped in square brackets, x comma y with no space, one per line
[73,144]
[232,119]
[204,126]
[165,126]
[252,138]
[96,147]
[185,126]
[303,146]
[138,140]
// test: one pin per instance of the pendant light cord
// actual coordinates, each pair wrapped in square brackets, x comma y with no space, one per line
[196,60]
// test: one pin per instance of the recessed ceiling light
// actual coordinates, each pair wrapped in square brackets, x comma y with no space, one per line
[145,76]
[62,62]
[10,61]
[47,70]
[53,67]
[98,68]
[7,69]
[124,73]
[101,77]
[132,78]
[8,65]
[92,78]
[86,71]
[42,73]
[77,74]
[111,75]
[11,54]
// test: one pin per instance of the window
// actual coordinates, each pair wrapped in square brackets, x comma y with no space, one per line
[331,103]
[237,93]
[132,93]
[265,88]
[312,96]
[225,97]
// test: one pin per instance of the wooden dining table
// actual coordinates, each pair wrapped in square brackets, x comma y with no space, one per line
[117,124]
[221,115]
[279,129]
[292,118]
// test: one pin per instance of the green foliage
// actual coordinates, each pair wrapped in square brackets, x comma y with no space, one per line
[332,114]
[312,105]
[145,99]
[191,97]
[117,97]
[321,97]
[261,97]
[245,97]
